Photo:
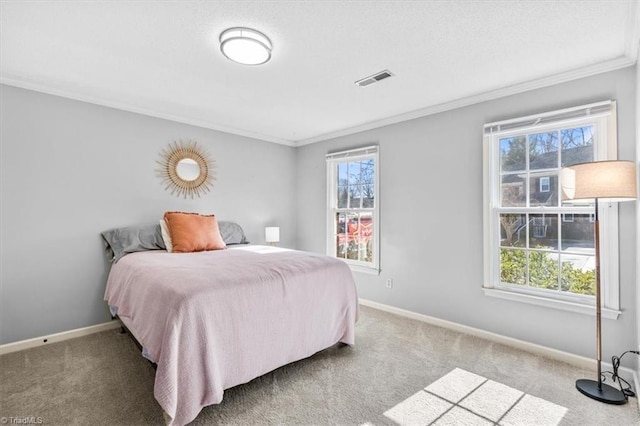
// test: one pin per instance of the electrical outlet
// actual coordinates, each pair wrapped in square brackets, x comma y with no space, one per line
[389,282]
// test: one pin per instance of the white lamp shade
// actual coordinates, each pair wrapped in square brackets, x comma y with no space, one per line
[607,180]
[272,234]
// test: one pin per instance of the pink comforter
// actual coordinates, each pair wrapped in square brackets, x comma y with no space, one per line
[213,320]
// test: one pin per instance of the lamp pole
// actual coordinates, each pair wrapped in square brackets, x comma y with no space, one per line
[595,389]
[615,181]
[596,227]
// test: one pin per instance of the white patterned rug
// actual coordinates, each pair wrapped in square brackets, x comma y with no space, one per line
[464,398]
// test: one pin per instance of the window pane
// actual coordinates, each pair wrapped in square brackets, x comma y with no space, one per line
[543,151]
[578,234]
[343,196]
[365,238]
[578,255]
[354,173]
[368,196]
[355,196]
[578,274]
[513,266]
[543,231]
[340,246]
[343,174]
[512,191]
[352,231]
[367,172]
[356,243]
[340,225]
[577,145]
[341,237]
[513,153]
[543,270]
[513,230]
[543,189]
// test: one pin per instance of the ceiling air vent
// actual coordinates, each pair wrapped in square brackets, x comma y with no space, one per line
[374,78]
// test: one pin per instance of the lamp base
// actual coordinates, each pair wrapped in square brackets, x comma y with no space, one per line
[606,393]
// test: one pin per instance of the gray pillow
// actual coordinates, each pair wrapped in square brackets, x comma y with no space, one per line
[122,241]
[232,233]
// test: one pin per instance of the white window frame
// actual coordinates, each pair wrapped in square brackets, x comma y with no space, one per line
[333,159]
[603,116]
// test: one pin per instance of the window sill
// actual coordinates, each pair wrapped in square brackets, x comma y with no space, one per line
[372,270]
[551,303]
[361,267]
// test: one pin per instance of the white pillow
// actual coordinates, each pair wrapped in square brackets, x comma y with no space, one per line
[166,236]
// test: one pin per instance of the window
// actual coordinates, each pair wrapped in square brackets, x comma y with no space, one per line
[537,248]
[353,208]
[545,186]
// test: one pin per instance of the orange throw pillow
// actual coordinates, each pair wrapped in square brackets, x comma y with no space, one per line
[193,232]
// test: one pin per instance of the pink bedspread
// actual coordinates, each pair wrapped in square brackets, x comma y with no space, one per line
[216,319]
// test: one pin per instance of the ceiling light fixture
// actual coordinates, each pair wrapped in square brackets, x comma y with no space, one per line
[245,46]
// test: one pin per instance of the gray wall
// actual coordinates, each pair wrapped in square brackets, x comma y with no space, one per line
[431,217]
[71,170]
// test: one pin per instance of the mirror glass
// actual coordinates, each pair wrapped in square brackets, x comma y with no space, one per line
[188,169]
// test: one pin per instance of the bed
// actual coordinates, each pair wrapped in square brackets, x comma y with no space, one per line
[215,319]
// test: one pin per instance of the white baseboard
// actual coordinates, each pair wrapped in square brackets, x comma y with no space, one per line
[57,337]
[569,358]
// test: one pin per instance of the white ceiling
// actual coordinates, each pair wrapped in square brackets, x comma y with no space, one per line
[163,58]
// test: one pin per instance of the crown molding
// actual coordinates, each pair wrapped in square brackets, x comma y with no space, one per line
[612,65]
[48,89]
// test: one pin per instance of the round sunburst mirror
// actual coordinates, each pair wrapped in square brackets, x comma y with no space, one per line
[186,169]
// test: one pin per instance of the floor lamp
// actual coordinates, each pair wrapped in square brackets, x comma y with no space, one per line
[608,181]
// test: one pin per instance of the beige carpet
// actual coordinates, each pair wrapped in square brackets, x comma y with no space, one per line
[401,371]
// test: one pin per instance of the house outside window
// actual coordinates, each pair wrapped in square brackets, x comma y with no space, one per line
[537,248]
[353,208]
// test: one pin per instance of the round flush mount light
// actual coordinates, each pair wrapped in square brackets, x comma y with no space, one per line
[245,46]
